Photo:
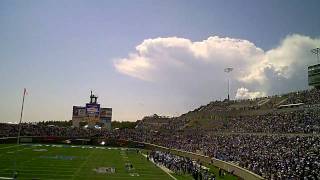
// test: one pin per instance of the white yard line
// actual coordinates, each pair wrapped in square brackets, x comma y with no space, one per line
[83,163]
[10,147]
[5,178]
[166,170]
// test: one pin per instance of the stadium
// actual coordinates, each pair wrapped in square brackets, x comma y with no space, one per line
[159,90]
[271,137]
[275,137]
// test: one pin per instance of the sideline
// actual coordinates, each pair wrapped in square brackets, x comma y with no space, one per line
[166,170]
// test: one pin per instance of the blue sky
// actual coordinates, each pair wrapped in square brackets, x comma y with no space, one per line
[59,50]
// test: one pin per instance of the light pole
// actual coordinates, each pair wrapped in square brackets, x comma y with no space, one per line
[228,70]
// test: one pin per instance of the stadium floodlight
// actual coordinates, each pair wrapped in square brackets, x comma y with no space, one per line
[316,51]
[228,70]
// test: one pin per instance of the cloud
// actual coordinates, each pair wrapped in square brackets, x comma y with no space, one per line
[243,93]
[195,69]
[284,68]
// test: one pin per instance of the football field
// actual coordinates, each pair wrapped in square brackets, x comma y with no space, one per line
[77,162]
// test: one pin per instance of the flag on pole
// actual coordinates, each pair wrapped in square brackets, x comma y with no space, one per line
[25,92]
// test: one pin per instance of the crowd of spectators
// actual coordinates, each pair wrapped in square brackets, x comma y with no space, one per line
[279,144]
[311,96]
[29,129]
[181,165]
[298,121]
[272,156]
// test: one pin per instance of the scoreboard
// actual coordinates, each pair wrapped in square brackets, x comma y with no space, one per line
[92,114]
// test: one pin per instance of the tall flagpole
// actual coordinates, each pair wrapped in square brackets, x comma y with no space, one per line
[15,173]
[24,95]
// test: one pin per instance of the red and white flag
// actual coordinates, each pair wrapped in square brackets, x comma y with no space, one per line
[25,91]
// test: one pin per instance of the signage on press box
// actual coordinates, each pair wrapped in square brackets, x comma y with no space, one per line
[79,111]
[93,109]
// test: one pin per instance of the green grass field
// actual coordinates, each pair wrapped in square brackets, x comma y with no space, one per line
[47,162]
[77,162]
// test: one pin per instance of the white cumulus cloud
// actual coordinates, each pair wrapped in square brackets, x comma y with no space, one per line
[195,69]
[244,93]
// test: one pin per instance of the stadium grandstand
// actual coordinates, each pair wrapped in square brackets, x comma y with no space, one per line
[275,137]
[180,90]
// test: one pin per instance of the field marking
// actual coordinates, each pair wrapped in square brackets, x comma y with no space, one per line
[16,154]
[47,167]
[83,163]
[41,170]
[5,178]
[166,170]
[10,146]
